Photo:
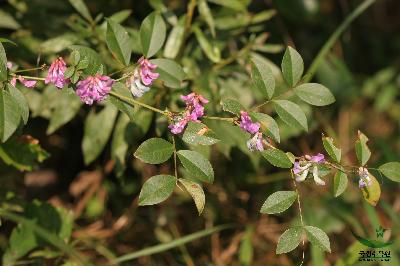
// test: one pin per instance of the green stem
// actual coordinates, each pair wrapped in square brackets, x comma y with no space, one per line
[229,119]
[31,69]
[32,78]
[132,102]
[50,237]
[300,212]
[331,41]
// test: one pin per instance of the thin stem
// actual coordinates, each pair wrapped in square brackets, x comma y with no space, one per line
[31,69]
[132,102]
[188,23]
[300,213]
[175,163]
[229,119]
[335,35]
[32,78]
[260,105]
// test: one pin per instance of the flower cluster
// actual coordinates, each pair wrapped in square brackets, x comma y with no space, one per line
[25,82]
[365,180]
[56,73]
[142,77]
[194,110]
[256,142]
[94,88]
[302,167]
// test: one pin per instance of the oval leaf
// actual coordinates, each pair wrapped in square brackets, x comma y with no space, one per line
[10,115]
[154,151]
[175,39]
[199,134]
[372,193]
[289,240]
[156,189]
[277,158]
[3,63]
[339,183]
[211,51]
[170,72]
[278,202]
[391,170]
[22,102]
[362,151]
[334,153]
[318,237]
[232,106]
[94,140]
[292,66]
[291,114]
[262,77]
[314,94]
[152,34]
[118,41]
[268,124]
[197,165]
[196,192]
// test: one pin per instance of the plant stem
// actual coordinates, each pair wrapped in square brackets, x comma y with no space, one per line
[335,35]
[300,212]
[33,78]
[31,69]
[175,164]
[132,102]
[229,119]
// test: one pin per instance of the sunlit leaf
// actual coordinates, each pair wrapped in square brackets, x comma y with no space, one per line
[278,202]
[156,189]
[154,151]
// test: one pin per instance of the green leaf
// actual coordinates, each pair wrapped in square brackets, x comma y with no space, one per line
[291,114]
[206,14]
[10,115]
[95,62]
[23,154]
[292,66]
[123,106]
[118,41]
[170,72]
[97,131]
[232,106]
[81,7]
[362,151]
[268,125]
[122,137]
[278,202]
[262,77]
[314,94]
[20,99]
[372,193]
[8,22]
[199,134]
[3,64]
[210,50]
[237,5]
[152,34]
[154,151]
[289,240]
[156,189]
[277,158]
[391,170]
[175,39]
[196,192]
[246,250]
[330,148]
[197,165]
[339,183]
[67,106]
[318,237]
[22,240]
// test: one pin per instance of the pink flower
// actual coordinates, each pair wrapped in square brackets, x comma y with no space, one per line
[365,180]
[94,88]
[9,65]
[319,158]
[247,124]
[179,126]
[56,73]
[146,71]
[256,142]
[25,82]
[194,110]
[135,85]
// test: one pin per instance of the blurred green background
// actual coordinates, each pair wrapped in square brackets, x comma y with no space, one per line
[362,71]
